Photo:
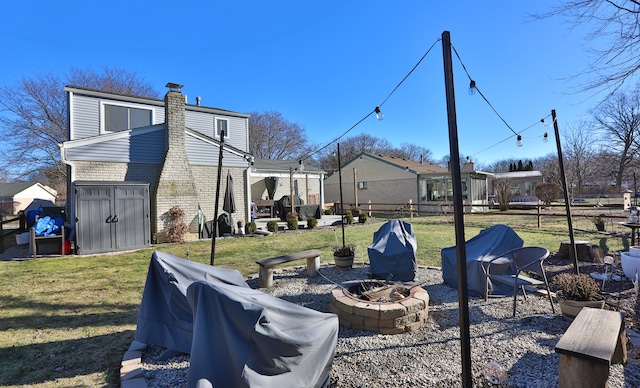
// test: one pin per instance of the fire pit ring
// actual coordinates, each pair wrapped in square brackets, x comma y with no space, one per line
[404,309]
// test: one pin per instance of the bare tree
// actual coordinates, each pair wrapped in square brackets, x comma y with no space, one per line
[579,150]
[34,117]
[550,168]
[615,21]
[351,147]
[618,119]
[271,136]
[413,152]
[502,190]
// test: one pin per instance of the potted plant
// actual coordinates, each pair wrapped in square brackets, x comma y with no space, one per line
[343,255]
[575,291]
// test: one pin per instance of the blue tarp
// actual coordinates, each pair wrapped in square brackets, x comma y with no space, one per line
[488,244]
[48,226]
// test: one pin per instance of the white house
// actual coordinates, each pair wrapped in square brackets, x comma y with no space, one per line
[16,196]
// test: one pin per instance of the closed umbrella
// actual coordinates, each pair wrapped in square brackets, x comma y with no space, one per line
[229,204]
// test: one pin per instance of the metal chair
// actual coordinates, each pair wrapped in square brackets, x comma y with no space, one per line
[522,260]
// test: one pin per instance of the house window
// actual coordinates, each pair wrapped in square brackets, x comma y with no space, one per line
[362,185]
[122,118]
[222,125]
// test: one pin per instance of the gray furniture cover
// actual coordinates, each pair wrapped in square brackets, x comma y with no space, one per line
[237,336]
[488,244]
[392,255]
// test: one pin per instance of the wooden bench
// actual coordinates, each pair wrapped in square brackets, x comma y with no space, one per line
[53,244]
[266,265]
[594,340]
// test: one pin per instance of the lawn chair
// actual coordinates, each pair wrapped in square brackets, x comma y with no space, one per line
[522,260]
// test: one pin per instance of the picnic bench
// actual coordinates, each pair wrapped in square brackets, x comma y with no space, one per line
[266,265]
[594,340]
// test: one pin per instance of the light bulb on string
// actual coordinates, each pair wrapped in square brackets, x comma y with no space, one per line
[379,114]
[301,165]
[472,87]
[543,122]
[545,138]
[519,142]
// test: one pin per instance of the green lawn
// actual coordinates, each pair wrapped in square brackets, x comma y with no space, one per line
[66,321]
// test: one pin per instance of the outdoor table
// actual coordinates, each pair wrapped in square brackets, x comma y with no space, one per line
[634,226]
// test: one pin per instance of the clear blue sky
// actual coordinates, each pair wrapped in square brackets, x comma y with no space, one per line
[325,64]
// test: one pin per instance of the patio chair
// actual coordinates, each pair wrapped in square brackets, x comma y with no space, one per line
[523,260]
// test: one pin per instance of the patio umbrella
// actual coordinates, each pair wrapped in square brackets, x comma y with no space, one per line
[229,204]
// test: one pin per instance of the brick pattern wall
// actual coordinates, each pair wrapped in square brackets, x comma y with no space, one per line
[175,184]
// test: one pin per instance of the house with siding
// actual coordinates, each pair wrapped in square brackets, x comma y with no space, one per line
[136,158]
[522,185]
[16,196]
[388,182]
[272,179]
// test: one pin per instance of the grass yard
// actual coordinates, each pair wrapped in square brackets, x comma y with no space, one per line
[66,321]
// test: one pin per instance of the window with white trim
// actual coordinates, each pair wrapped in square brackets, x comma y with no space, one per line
[222,124]
[362,185]
[123,117]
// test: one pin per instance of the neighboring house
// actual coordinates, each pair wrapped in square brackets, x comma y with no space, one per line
[387,182]
[16,196]
[523,185]
[140,157]
[271,179]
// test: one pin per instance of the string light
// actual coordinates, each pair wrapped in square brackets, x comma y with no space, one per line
[519,142]
[545,138]
[472,87]
[379,114]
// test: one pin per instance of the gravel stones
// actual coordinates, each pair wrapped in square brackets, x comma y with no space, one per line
[430,356]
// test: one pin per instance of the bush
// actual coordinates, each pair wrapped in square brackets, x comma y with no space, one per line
[272,226]
[348,217]
[292,221]
[344,251]
[250,228]
[328,212]
[177,227]
[312,223]
[362,218]
[575,287]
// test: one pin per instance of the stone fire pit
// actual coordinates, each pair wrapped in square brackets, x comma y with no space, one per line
[375,306]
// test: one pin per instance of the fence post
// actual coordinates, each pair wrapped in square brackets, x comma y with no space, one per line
[1,234]
[411,209]
[539,216]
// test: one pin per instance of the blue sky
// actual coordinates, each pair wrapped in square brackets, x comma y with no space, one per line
[325,65]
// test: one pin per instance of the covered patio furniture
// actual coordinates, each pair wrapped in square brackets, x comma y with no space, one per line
[392,255]
[237,336]
[487,245]
[521,261]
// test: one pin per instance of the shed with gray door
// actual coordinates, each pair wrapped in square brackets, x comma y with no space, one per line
[111,216]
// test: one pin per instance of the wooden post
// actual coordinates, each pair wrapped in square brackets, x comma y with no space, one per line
[461,250]
[355,188]
[539,216]
[369,208]
[293,206]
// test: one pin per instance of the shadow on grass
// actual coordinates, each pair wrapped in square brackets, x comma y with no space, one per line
[50,361]
[73,316]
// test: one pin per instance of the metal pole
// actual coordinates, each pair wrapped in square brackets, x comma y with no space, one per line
[567,204]
[215,210]
[458,211]
[341,201]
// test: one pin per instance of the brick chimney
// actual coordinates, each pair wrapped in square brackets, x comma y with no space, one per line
[175,184]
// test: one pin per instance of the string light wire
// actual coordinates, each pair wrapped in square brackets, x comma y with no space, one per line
[378,106]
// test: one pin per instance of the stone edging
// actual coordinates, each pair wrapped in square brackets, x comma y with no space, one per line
[131,367]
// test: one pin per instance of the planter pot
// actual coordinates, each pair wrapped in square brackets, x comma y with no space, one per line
[571,308]
[345,262]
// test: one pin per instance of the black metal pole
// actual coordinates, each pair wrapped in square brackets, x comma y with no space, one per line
[567,204]
[458,212]
[215,210]
[341,201]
